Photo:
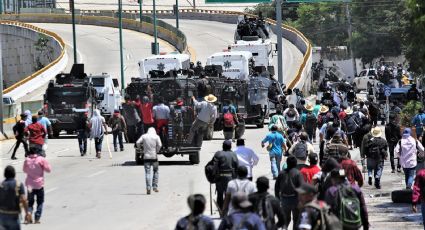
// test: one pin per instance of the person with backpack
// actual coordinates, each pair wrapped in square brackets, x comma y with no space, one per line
[19,131]
[322,179]
[375,151]
[266,205]
[36,135]
[279,120]
[246,157]
[35,166]
[196,220]
[322,117]
[229,123]
[347,202]
[291,115]
[12,199]
[352,123]
[309,122]
[118,126]
[336,148]
[419,121]
[288,180]
[242,217]
[409,151]
[352,171]
[240,184]
[314,213]
[302,149]
[226,163]
[393,136]
[276,146]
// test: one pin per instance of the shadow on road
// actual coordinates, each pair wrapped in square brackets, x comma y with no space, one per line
[161,163]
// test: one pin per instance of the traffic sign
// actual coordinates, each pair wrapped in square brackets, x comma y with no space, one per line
[236,1]
[387,91]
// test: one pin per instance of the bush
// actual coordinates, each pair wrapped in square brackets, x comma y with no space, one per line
[408,112]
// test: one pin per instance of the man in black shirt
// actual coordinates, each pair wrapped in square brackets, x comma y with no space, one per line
[18,130]
[393,135]
[266,205]
[310,217]
[83,132]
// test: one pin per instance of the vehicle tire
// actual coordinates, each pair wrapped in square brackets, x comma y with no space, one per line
[402,196]
[194,158]
[240,130]
[168,154]
[56,134]
[261,124]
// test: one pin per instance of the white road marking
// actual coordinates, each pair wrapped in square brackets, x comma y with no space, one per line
[61,151]
[96,174]
[51,190]
[78,53]
[17,162]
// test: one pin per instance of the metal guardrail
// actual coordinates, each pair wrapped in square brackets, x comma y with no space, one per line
[37,73]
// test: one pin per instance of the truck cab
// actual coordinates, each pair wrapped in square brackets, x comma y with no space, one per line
[261,50]
[108,93]
[163,63]
[236,64]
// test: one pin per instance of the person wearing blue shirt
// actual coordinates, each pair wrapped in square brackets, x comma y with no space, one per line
[277,142]
[229,107]
[419,121]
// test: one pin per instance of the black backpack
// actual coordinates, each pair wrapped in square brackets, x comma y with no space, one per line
[286,186]
[310,121]
[373,148]
[265,211]
[291,113]
[9,200]
[212,171]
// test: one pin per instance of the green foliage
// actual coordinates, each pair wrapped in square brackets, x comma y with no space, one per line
[408,112]
[414,36]
[44,52]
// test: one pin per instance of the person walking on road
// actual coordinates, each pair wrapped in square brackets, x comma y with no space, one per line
[309,121]
[83,131]
[28,120]
[267,206]
[227,164]
[352,171]
[393,136]
[246,157]
[206,115]
[309,171]
[35,166]
[242,217]
[118,126]
[291,115]
[196,220]
[276,145]
[97,130]
[19,131]
[279,120]
[285,189]
[375,150]
[419,121]
[36,135]
[132,119]
[310,212]
[151,146]
[418,195]
[407,150]
[12,200]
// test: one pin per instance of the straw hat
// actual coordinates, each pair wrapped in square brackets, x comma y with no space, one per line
[309,107]
[323,109]
[376,132]
[210,98]
[349,111]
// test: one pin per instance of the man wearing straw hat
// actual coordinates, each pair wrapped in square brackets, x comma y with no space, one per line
[206,114]
[309,122]
[375,150]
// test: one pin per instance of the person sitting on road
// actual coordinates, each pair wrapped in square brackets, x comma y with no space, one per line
[196,219]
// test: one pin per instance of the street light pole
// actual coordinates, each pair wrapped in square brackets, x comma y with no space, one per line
[279,40]
[347,9]
[1,6]
[121,48]
[74,38]
[1,85]
[155,32]
[140,11]
[177,14]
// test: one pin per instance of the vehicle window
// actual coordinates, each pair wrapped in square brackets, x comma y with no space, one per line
[372,73]
[98,82]
[6,100]
[70,95]
[363,73]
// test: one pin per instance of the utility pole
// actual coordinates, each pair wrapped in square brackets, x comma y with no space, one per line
[177,13]
[140,11]
[194,4]
[74,37]
[279,40]
[1,84]
[350,31]
[155,47]
[1,6]
[121,48]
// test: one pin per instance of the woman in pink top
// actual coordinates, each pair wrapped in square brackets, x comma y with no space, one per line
[35,166]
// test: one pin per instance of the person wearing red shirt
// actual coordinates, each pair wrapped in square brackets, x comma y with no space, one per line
[309,171]
[147,110]
[352,172]
[37,133]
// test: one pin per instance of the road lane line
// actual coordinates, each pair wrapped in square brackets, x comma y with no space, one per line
[51,190]
[96,174]
[61,151]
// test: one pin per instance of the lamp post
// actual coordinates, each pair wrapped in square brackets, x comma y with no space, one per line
[74,39]
[121,48]
[155,32]
[140,11]
[279,40]
[177,14]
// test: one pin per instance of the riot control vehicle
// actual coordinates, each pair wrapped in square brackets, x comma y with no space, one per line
[164,63]
[108,93]
[67,96]
[169,87]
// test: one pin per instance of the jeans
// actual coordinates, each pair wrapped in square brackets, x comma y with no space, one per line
[39,194]
[350,139]
[311,134]
[221,187]
[423,213]
[391,147]
[82,141]
[275,164]
[117,135]
[290,205]
[197,128]
[9,222]
[98,144]
[409,176]
[151,182]
[20,140]
[131,133]
[376,167]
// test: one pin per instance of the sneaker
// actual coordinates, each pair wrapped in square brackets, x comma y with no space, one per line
[115,149]
[37,222]
[122,149]
[370,181]
[155,190]
[148,192]
[393,171]
[398,169]
[13,158]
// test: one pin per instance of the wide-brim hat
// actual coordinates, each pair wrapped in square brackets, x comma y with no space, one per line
[210,98]
[309,107]
[323,109]
[376,132]
[349,111]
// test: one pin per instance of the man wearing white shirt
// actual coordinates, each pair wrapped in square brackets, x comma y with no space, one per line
[246,157]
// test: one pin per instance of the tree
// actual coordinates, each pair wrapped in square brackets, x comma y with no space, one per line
[414,36]
[44,52]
